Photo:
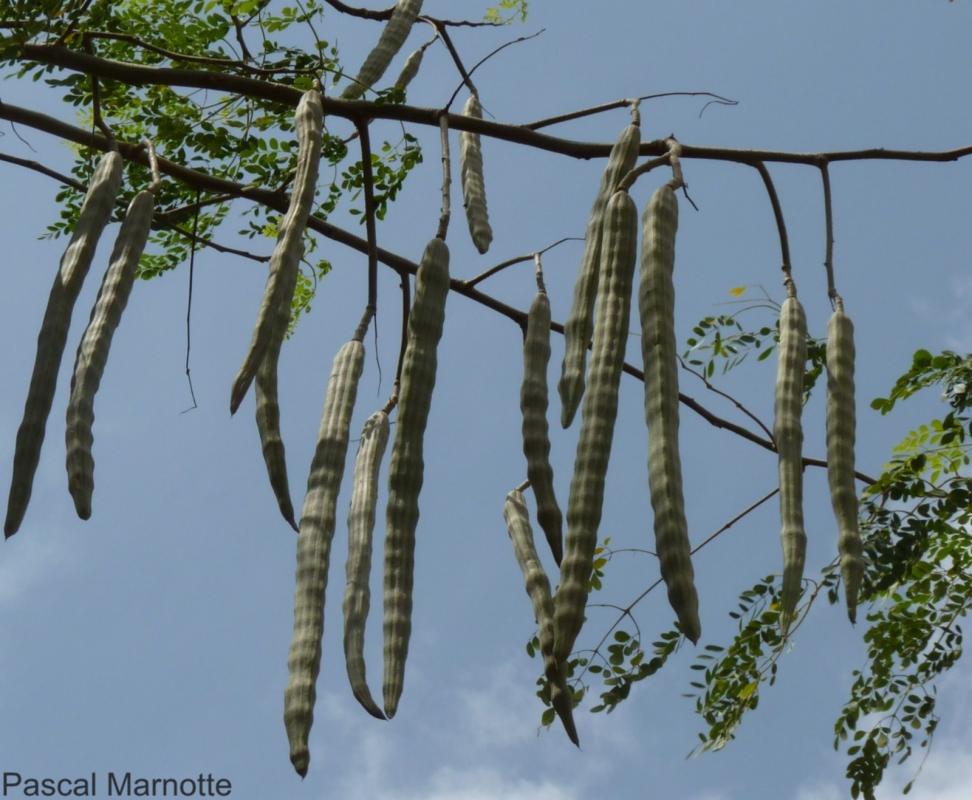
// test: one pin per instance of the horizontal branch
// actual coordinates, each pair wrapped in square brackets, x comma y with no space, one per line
[136,74]
[160,222]
[279,201]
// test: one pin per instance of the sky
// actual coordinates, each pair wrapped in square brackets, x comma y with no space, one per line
[153,638]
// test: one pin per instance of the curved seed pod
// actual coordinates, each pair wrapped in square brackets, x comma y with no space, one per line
[788,432]
[314,549]
[361,525]
[405,474]
[89,365]
[268,407]
[656,303]
[285,260]
[473,185]
[536,436]
[841,424]
[538,588]
[577,328]
[410,69]
[392,38]
[597,418]
[95,211]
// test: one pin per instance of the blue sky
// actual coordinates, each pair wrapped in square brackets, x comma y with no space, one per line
[153,638]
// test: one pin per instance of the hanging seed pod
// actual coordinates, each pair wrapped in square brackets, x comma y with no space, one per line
[268,405]
[285,260]
[410,69]
[841,434]
[361,525]
[392,38]
[473,184]
[314,549]
[656,303]
[405,474]
[536,435]
[577,328]
[95,211]
[92,356]
[597,419]
[538,589]
[788,432]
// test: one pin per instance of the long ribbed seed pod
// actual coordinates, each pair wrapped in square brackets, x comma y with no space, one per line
[405,474]
[538,588]
[536,434]
[597,418]
[841,434]
[285,260]
[577,328]
[95,211]
[392,38]
[361,525]
[410,69]
[788,432]
[89,365]
[656,303]
[268,406]
[314,549]
[473,183]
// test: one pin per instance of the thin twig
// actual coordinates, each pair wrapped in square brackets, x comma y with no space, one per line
[728,397]
[829,252]
[192,262]
[368,179]
[518,260]
[586,112]
[780,225]
[626,611]
[447,40]
[488,56]
[99,120]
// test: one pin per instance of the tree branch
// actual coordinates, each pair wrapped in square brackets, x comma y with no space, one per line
[158,223]
[136,74]
[279,202]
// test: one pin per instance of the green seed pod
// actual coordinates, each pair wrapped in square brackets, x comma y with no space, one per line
[361,525]
[95,211]
[92,355]
[473,184]
[536,435]
[268,407]
[314,549]
[392,38]
[788,432]
[285,260]
[410,69]
[841,434]
[405,474]
[656,303]
[538,589]
[597,418]
[577,328]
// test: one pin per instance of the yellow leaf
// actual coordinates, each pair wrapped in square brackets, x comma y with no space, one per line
[737,291]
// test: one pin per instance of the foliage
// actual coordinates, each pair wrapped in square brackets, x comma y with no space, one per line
[916,520]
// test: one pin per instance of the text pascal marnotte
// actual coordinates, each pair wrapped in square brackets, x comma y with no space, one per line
[115,784]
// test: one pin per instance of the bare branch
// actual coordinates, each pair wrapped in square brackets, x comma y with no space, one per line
[519,260]
[587,112]
[136,74]
[780,225]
